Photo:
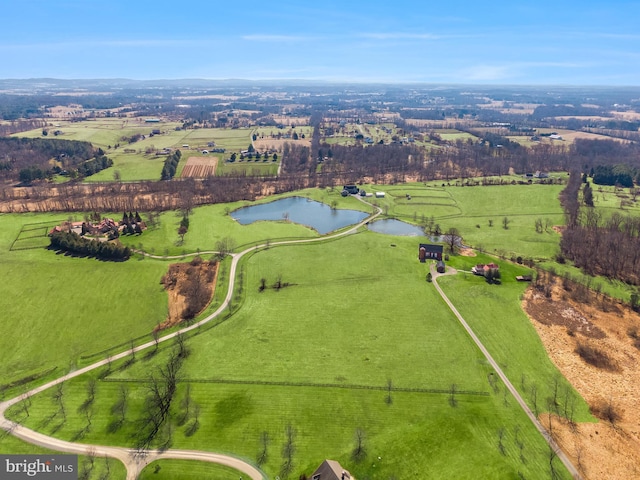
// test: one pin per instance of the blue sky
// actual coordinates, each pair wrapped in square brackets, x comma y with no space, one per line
[562,42]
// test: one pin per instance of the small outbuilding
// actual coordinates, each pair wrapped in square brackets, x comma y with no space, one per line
[379,194]
[440,266]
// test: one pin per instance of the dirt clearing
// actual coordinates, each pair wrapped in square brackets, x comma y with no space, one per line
[190,287]
[603,450]
[200,167]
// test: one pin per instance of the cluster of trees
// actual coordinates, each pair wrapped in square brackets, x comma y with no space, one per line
[94,165]
[597,245]
[132,223]
[18,126]
[32,173]
[74,243]
[197,287]
[621,175]
[606,247]
[170,165]
[35,153]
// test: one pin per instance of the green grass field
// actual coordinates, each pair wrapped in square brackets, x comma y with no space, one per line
[471,209]
[318,355]
[70,307]
[186,470]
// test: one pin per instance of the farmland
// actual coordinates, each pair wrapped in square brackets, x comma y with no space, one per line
[312,346]
[269,382]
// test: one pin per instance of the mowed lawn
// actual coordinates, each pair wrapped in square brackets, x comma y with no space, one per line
[56,309]
[187,470]
[317,357]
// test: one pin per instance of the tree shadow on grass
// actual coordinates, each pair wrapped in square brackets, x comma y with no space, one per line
[192,429]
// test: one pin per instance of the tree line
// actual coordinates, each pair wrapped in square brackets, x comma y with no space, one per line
[170,165]
[73,243]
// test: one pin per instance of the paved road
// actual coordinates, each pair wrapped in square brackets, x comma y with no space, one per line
[133,462]
[552,443]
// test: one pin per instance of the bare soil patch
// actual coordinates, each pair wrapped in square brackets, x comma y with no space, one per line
[190,287]
[267,144]
[467,252]
[607,449]
[200,167]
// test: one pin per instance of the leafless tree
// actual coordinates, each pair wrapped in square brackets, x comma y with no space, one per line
[359,451]
[388,398]
[264,444]
[452,395]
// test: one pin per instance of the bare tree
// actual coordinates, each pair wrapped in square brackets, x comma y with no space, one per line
[287,451]
[264,444]
[453,238]
[359,451]
[452,395]
[119,409]
[225,246]
[388,398]
[501,432]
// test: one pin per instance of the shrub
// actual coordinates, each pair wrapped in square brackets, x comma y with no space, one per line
[594,356]
[606,411]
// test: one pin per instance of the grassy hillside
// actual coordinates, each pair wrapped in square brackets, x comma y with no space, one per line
[317,357]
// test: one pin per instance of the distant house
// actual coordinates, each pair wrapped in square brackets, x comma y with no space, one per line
[379,194]
[351,189]
[427,251]
[331,470]
[152,120]
[482,269]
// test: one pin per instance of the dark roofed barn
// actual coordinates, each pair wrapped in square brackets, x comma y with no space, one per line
[430,251]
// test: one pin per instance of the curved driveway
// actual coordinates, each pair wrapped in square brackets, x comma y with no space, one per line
[552,443]
[134,462]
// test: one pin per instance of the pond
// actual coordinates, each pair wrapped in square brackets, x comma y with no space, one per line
[319,216]
[396,227]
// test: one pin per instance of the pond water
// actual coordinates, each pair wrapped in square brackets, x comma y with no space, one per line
[396,227]
[319,216]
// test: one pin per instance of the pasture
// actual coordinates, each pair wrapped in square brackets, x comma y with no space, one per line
[187,470]
[479,212]
[317,358]
[72,307]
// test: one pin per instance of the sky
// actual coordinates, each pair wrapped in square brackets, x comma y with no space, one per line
[465,42]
